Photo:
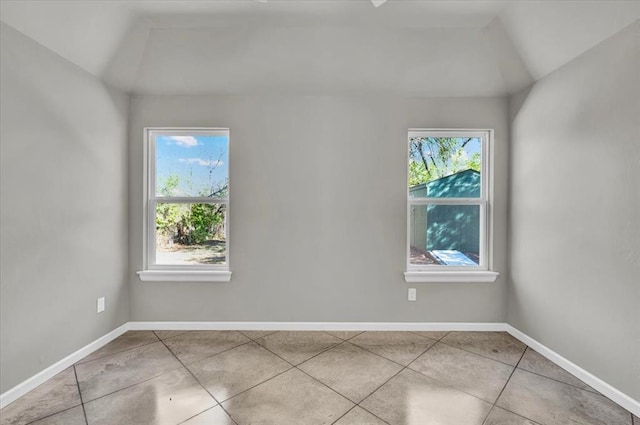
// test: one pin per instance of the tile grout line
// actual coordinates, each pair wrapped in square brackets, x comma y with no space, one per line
[592,391]
[562,382]
[505,385]
[324,350]
[133,385]
[345,397]
[200,383]
[210,355]
[258,384]
[574,387]
[428,337]
[344,339]
[477,354]
[79,362]
[404,367]
[346,413]
[391,360]
[75,373]
[291,366]
[305,373]
[48,416]
[513,413]
[137,383]
[200,413]
[67,409]
[449,385]
[262,336]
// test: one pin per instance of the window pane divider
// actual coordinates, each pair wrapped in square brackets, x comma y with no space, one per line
[447,201]
[189,200]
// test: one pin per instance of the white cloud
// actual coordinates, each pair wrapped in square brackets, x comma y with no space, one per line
[200,161]
[184,141]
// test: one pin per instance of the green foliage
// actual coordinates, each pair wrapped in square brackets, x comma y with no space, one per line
[170,185]
[431,158]
[189,223]
[200,223]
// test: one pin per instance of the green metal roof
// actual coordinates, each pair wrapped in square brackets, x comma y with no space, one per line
[463,184]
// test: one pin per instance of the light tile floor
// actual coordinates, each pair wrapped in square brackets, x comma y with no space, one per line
[314,378]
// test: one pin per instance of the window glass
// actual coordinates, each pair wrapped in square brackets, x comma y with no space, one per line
[445,167]
[445,235]
[190,234]
[192,165]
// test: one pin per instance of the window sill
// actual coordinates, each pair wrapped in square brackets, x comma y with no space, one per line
[452,276]
[185,275]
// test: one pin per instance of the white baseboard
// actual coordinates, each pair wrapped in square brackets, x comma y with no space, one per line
[596,383]
[605,389]
[24,387]
[316,326]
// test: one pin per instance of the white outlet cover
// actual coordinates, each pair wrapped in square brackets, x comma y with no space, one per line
[101,305]
[412,294]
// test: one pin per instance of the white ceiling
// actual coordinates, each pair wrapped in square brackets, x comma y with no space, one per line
[414,48]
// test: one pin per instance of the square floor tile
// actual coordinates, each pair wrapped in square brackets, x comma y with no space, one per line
[344,334]
[534,362]
[57,394]
[411,398]
[214,416]
[124,342]
[551,402]
[500,416]
[168,399]
[296,347]
[353,372]
[498,346]
[292,398]
[401,347]
[73,416]
[359,416]
[227,374]
[196,345]
[112,373]
[465,371]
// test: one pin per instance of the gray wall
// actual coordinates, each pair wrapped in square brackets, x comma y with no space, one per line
[318,210]
[64,208]
[575,211]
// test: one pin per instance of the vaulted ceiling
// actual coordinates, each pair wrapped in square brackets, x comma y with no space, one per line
[410,48]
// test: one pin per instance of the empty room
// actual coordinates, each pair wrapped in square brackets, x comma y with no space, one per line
[316,212]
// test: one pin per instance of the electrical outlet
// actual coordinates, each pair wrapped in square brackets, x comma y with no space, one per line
[412,295]
[101,305]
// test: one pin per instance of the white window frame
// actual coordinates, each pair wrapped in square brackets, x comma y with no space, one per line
[177,273]
[442,273]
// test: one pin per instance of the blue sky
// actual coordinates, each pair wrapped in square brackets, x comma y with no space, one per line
[199,162]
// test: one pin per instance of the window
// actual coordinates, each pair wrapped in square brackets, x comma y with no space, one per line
[187,202]
[449,193]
